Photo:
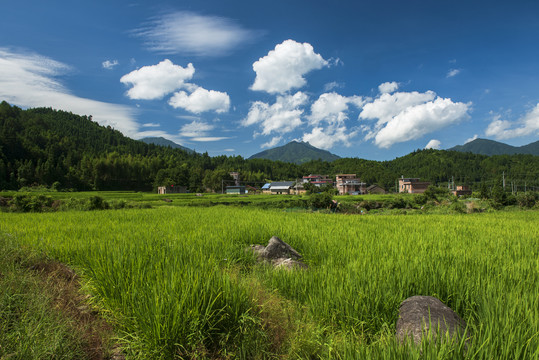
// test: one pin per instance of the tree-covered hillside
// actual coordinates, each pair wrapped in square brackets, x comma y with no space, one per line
[67,151]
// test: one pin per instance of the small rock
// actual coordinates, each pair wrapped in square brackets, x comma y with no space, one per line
[288,264]
[414,315]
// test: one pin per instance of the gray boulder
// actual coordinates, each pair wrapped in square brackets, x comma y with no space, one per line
[427,316]
[278,249]
[279,254]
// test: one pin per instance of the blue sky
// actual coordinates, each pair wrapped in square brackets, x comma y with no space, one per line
[368,79]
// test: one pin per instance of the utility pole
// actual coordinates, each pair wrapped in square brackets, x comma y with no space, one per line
[503,177]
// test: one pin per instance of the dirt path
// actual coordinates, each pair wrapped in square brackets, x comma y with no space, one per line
[96,334]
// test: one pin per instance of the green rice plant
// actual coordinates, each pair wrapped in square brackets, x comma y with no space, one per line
[179,283]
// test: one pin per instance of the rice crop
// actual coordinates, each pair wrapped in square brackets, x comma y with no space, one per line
[177,281]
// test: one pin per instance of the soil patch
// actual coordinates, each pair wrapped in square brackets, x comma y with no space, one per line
[96,334]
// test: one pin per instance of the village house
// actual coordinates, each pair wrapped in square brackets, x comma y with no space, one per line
[266,188]
[235,190]
[462,190]
[282,187]
[349,184]
[171,189]
[412,185]
[318,180]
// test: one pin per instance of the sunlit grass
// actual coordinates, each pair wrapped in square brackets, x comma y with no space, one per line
[179,281]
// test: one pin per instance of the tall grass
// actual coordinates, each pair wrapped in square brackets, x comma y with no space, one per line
[179,283]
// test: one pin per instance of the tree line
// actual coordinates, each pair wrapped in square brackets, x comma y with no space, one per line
[63,150]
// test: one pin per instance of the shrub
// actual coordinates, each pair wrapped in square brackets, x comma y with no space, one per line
[526,200]
[320,201]
[97,203]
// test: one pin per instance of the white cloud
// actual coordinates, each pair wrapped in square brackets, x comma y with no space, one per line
[156,81]
[418,120]
[283,68]
[196,129]
[471,139]
[229,150]
[209,138]
[387,106]
[504,129]
[328,137]
[282,117]
[332,85]
[29,80]
[188,33]
[453,72]
[109,65]
[274,141]
[151,125]
[404,116]
[201,100]
[388,87]
[332,108]
[433,144]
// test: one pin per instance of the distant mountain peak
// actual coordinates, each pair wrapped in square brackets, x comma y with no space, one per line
[161,141]
[297,152]
[491,147]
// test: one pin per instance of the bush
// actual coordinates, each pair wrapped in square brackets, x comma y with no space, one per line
[526,200]
[320,201]
[26,203]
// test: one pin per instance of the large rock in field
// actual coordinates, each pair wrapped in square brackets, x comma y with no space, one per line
[279,254]
[427,316]
[278,249]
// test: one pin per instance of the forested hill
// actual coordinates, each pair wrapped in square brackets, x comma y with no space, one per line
[491,147]
[66,151]
[161,141]
[296,152]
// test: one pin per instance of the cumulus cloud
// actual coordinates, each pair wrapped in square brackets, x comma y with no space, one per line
[433,144]
[201,100]
[155,81]
[387,106]
[30,80]
[284,67]
[326,138]
[453,72]
[408,116]
[471,139]
[525,126]
[388,87]
[282,117]
[189,33]
[332,108]
[109,65]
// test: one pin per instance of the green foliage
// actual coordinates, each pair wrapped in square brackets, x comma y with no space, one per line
[45,147]
[436,193]
[527,200]
[321,200]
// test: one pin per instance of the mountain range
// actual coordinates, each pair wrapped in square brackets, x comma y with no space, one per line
[295,152]
[491,147]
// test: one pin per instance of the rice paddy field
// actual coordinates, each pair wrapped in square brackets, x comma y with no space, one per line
[177,282]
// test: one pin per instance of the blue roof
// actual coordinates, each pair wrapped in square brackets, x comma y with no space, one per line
[266,186]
